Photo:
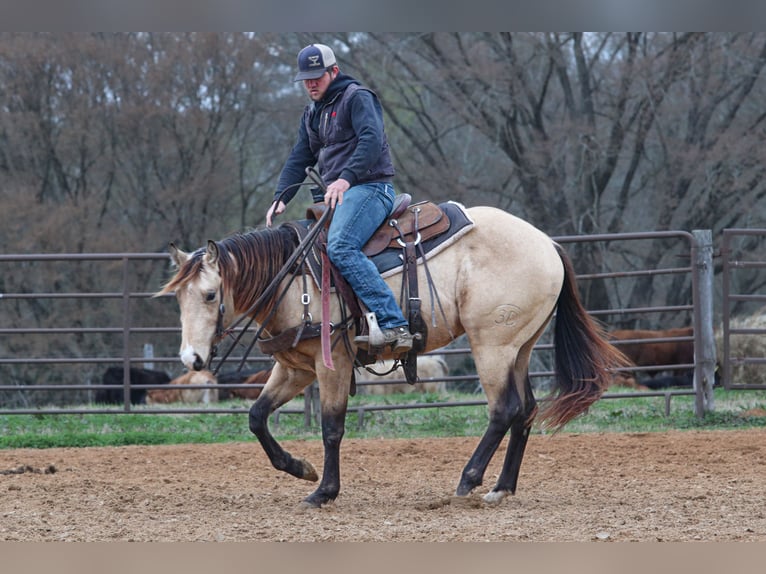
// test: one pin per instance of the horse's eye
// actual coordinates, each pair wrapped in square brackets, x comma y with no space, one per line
[210,297]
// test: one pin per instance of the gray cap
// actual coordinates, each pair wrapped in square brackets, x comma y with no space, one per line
[313,61]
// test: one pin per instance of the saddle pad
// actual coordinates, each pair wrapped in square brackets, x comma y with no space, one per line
[389,261]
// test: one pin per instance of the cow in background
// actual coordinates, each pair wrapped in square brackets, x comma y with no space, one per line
[177,391]
[682,381]
[429,367]
[114,376]
[628,381]
[254,379]
[647,352]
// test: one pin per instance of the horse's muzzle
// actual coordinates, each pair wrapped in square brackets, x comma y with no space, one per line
[199,364]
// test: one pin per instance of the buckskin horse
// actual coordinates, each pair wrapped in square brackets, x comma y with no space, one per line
[500,284]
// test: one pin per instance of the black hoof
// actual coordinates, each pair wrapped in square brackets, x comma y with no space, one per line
[317,500]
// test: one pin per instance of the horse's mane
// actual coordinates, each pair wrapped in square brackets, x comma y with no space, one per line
[247,262]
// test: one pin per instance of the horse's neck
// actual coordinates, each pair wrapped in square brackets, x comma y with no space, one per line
[252,270]
[269,305]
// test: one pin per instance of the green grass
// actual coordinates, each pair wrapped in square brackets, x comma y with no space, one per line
[45,430]
[732,410]
[646,414]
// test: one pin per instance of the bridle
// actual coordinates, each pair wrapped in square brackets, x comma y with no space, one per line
[220,332]
[301,252]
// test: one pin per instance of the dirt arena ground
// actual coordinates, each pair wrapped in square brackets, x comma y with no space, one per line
[679,486]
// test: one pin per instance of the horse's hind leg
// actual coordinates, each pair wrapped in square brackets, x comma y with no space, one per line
[493,365]
[511,407]
[509,476]
[506,411]
[520,427]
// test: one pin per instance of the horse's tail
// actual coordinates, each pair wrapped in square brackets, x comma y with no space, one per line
[584,357]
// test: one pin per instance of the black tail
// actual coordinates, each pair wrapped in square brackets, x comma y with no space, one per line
[584,357]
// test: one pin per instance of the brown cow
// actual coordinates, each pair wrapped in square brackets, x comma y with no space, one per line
[176,393]
[628,381]
[648,353]
[253,393]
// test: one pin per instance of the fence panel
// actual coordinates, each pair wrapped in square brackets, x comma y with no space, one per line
[39,355]
[743,345]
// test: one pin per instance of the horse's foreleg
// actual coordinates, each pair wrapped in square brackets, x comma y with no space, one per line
[333,428]
[333,394]
[279,457]
[276,393]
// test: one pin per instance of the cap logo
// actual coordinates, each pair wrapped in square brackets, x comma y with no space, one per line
[314,61]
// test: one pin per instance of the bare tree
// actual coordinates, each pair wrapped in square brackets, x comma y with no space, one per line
[124,142]
[578,133]
[112,142]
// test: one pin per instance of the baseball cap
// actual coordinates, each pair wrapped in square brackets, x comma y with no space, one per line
[313,60]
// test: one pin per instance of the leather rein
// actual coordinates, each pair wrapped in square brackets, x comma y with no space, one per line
[307,328]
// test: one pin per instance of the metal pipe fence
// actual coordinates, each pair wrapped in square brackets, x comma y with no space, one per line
[63,368]
[738,259]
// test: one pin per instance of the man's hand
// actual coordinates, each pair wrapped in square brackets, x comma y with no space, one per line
[335,191]
[275,209]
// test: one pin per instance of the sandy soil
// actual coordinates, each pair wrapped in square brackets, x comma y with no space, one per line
[677,486]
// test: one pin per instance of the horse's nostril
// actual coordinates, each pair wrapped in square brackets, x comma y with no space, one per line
[199,364]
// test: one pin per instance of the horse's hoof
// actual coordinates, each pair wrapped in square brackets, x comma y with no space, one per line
[306,505]
[495,496]
[315,500]
[308,472]
[469,501]
[465,488]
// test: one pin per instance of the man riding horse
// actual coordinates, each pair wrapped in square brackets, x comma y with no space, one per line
[341,131]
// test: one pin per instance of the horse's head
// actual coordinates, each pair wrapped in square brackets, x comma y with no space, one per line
[198,287]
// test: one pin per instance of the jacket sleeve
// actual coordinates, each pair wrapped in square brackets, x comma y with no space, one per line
[367,121]
[294,170]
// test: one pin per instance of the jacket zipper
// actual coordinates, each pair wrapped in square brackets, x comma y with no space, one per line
[323,127]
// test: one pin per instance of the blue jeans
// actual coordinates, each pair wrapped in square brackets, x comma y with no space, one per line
[364,208]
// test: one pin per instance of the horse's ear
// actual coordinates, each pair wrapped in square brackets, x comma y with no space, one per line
[179,257]
[212,252]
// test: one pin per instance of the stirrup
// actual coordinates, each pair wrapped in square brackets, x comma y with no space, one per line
[375,338]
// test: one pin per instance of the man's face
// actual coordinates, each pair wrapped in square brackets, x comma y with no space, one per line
[317,88]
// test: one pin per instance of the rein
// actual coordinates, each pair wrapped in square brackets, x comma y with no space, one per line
[301,252]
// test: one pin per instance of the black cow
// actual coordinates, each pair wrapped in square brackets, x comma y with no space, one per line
[114,376]
[681,381]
